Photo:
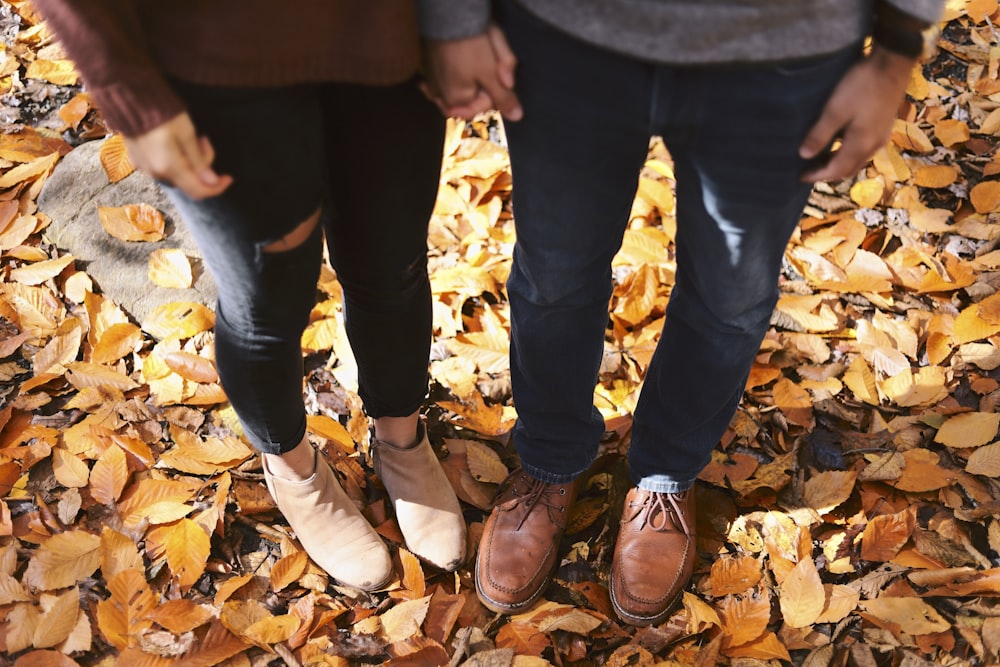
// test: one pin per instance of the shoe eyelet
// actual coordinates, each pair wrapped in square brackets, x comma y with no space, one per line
[562,492]
[562,509]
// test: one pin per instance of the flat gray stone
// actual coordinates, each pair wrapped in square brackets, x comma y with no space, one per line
[119,269]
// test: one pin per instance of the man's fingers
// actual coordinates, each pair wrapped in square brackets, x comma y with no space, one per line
[482,103]
[505,59]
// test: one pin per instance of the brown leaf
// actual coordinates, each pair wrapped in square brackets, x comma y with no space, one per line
[766,647]
[922,472]
[75,110]
[744,619]
[442,614]
[840,601]
[217,646]
[826,491]
[114,158]
[484,463]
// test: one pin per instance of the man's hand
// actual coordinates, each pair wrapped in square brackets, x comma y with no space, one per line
[860,112]
[173,152]
[472,75]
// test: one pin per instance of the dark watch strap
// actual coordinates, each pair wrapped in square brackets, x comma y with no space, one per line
[909,43]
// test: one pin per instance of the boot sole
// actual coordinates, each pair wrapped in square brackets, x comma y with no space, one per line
[642,621]
[504,608]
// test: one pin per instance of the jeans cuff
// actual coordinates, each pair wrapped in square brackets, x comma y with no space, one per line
[662,483]
[550,477]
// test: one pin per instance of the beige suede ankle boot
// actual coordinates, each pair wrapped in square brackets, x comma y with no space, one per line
[331,529]
[427,509]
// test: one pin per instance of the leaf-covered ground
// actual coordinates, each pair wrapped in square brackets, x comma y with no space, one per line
[848,517]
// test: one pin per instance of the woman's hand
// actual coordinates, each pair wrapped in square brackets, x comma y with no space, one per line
[173,152]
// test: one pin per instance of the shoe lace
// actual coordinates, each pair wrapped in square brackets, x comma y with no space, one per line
[660,510]
[536,493]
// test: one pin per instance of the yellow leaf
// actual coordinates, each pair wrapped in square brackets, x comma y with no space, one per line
[969,429]
[912,615]
[26,171]
[657,193]
[484,463]
[908,389]
[801,595]
[59,72]
[134,222]
[909,137]
[58,620]
[109,475]
[272,629]
[39,272]
[826,491]
[63,560]
[115,160]
[413,574]
[985,461]
[187,548]
[61,350]
[404,620]
[82,374]
[170,267]
[182,319]
[868,193]
[860,380]
[68,469]
[331,429]
[840,601]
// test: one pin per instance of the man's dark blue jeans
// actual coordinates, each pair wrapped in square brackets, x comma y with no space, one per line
[370,157]
[734,133]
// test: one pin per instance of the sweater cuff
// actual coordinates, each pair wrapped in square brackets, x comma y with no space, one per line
[925,10]
[136,108]
[452,19]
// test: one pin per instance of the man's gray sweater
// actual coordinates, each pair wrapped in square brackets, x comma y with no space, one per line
[688,31]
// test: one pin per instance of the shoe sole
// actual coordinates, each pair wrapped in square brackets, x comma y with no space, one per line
[641,621]
[503,608]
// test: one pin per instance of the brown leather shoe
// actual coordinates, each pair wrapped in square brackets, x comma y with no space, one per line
[654,555]
[520,542]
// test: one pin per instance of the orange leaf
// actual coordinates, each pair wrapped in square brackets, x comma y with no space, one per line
[922,472]
[109,475]
[766,647]
[45,659]
[794,402]
[181,615]
[117,341]
[217,646]
[63,560]
[801,595]
[404,620]
[970,429]
[524,638]
[744,619]
[936,176]
[413,574]
[840,601]
[912,615]
[192,367]
[28,170]
[187,546]
[985,196]
[123,617]
[115,160]
[732,576]
[118,553]
[133,222]
[68,469]
[75,110]
[885,535]
[288,569]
